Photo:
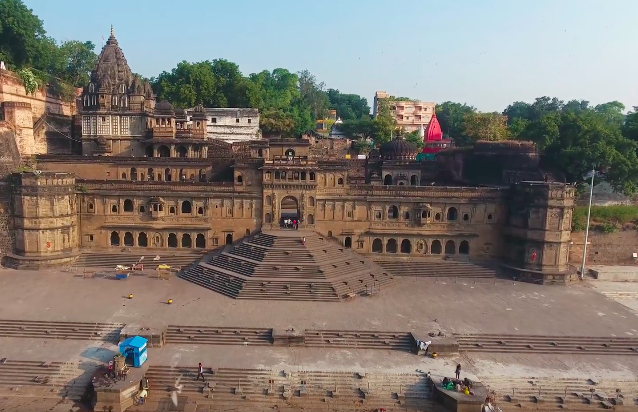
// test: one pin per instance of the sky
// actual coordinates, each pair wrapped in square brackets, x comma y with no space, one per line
[486,53]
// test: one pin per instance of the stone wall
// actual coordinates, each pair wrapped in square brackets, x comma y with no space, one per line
[12,90]
[605,248]
[9,162]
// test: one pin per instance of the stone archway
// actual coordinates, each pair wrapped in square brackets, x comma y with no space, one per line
[289,209]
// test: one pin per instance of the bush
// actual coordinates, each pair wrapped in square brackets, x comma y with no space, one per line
[605,216]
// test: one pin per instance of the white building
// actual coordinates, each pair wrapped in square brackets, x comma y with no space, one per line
[230,124]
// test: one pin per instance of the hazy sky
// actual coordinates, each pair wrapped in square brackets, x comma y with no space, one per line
[487,53]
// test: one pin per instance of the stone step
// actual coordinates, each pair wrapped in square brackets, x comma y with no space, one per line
[110,260]
[108,332]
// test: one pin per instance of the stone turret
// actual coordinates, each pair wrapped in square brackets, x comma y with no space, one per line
[45,219]
[537,235]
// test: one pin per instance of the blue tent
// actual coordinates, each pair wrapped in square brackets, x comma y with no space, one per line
[136,347]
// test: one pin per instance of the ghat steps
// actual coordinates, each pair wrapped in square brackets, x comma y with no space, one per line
[550,393]
[266,386]
[427,268]
[279,265]
[582,345]
[108,332]
[95,259]
[46,379]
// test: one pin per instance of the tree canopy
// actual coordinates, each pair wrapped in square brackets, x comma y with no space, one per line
[26,48]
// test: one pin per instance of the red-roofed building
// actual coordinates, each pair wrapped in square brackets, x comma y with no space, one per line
[433,138]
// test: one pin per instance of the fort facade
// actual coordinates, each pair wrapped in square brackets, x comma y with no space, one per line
[144,175]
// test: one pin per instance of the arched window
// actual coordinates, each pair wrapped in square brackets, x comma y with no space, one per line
[377,246]
[202,175]
[114,101]
[466,217]
[128,205]
[311,219]
[268,176]
[464,247]
[182,151]
[452,214]
[90,207]
[172,240]
[167,174]
[406,215]
[200,210]
[436,248]
[133,173]
[277,175]
[186,240]
[171,210]
[197,152]
[164,151]
[151,175]
[200,241]
[268,200]
[115,239]
[330,233]
[142,240]
[268,218]
[387,180]
[312,176]
[391,246]
[187,208]
[260,153]
[240,179]
[425,214]
[229,239]
[311,201]
[348,242]
[413,180]
[340,181]
[406,246]
[182,176]
[113,208]
[124,175]
[393,212]
[128,239]
[124,101]
[437,217]
[450,247]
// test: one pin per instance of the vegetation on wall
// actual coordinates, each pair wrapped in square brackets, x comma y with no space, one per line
[26,48]
[607,219]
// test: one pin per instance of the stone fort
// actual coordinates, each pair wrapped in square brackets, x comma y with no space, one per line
[117,170]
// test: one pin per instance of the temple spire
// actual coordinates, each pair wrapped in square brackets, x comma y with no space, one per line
[112,34]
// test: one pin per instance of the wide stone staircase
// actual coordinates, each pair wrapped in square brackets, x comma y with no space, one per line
[45,379]
[279,265]
[430,268]
[107,332]
[539,344]
[561,393]
[307,389]
[96,259]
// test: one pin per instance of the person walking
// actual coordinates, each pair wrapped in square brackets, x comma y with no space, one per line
[200,372]
[458,371]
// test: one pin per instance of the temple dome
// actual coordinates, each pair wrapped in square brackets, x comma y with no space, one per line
[112,69]
[434,132]
[398,149]
[164,108]
[335,130]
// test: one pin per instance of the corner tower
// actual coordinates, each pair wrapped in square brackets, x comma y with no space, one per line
[115,106]
[538,232]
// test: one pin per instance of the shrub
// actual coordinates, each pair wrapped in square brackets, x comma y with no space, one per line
[605,216]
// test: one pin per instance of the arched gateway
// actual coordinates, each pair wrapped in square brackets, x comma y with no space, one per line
[289,209]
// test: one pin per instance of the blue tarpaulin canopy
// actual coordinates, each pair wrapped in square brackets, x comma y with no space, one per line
[135,346]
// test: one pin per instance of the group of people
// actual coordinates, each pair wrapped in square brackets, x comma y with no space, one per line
[424,346]
[290,224]
[457,384]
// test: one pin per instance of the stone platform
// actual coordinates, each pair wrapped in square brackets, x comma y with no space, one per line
[280,265]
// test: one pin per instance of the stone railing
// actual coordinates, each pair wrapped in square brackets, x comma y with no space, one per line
[415,191]
[159,187]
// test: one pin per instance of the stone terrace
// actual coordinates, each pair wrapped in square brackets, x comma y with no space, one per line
[278,265]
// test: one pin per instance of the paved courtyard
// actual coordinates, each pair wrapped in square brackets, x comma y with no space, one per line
[488,306]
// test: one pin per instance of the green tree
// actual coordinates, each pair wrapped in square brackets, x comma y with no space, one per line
[630,126]
[485,126]
[414,138]
[313,95]
[612,111]
[78,59]
[277,121]
[21,33]
[363,128]
[187,85]
[451,116]
[231,88]
[348,106]
[517,127]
